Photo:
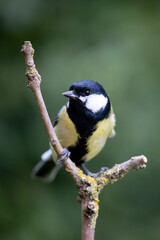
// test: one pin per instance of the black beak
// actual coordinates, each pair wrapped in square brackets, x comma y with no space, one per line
[70,94]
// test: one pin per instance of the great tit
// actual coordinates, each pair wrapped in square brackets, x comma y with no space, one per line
[82,126]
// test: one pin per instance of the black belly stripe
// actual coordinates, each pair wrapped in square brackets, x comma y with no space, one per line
[78,151]
[85,129]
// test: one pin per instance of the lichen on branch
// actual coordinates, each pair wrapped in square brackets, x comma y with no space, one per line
[91,187]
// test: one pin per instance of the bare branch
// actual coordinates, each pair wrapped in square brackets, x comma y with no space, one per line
[89,187]
[34,81]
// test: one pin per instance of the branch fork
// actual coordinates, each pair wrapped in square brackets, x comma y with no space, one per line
[89,187]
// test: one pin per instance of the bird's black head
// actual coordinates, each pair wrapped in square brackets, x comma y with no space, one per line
[87,88]
[88,103]
[88,94]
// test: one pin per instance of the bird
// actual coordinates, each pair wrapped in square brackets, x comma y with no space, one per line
[82,126]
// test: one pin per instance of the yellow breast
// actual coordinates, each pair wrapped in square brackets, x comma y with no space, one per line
[65,131]
[96,142]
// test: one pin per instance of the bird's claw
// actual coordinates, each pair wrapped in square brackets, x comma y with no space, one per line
[98,174]
[102,170]
[63,156]
[94,175]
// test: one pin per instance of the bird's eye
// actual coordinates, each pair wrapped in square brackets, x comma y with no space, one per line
[87,92]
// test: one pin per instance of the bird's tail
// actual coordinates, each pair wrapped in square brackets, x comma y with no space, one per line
[46,170]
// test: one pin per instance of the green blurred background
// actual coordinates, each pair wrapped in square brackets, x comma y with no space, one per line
[115,43]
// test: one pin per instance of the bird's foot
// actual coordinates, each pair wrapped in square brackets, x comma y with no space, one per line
[98,174]
[94,175]
[63,156]
[102,170]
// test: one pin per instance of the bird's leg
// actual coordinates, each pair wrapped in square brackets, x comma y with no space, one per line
[89,173]
[64,155]
[85,169]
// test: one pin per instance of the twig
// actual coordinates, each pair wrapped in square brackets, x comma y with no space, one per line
[89,187]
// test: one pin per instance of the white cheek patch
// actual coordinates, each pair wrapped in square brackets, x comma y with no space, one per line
[95,102]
